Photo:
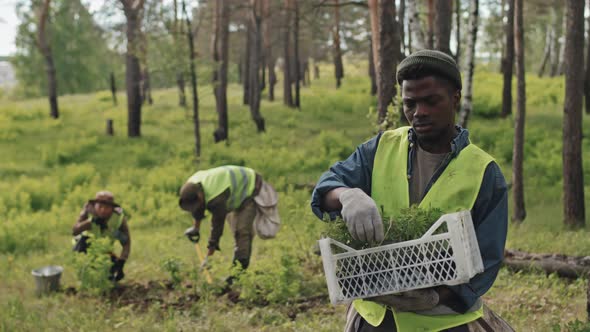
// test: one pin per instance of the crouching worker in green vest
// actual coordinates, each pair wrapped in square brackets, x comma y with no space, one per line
[434,165]
[239,193]
[102,217]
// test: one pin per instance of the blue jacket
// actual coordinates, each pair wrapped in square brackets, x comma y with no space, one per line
[489,213]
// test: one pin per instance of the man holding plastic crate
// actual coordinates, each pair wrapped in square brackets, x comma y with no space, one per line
[415,165]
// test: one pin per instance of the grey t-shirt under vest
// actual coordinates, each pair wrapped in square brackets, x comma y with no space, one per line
[424,164]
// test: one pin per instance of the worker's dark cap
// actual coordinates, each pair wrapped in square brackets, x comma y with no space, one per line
[189,197]
[430,62]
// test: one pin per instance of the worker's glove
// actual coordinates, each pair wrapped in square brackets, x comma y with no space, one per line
[117,269]
[102,223]
[414,300]
[192,234]
[361,216]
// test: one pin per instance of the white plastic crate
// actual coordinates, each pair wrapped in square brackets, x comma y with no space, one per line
[448,258]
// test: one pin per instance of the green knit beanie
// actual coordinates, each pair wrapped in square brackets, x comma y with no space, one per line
[431,62]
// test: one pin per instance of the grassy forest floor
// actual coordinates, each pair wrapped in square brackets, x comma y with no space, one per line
[49,168]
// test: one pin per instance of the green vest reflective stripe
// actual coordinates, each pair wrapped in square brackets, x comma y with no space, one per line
[112,231]
[240,181]
[456,189]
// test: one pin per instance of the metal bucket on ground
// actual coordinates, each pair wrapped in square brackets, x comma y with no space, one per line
[47,279]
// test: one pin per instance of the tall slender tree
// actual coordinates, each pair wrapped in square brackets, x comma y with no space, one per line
[385,50]
[519,211]
[132,10]
[508,61]
[193,73]
[417,39]
[287,91]
[467,104]
[296,54]
[442,25]
[431,23]
[337,52]
[268,51]
[255,51]
[45,47]
[587,78]
[574,213]
[458,30]
[220,50]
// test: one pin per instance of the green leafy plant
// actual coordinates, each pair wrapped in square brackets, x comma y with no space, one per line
[173,266]
[411,223]
[93,267]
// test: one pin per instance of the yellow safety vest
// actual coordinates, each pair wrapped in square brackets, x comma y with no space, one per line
[456,189]
[240,181]
[112,231]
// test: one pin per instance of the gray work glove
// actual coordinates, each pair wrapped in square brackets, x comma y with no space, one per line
[362,218]
[414,300]
[192,233]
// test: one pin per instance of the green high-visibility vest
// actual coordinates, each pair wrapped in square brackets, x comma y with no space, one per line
[112,230]
[240,181]
[456,189]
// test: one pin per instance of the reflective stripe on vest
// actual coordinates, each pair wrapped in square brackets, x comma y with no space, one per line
[240,181]
[456,189]
[112,231]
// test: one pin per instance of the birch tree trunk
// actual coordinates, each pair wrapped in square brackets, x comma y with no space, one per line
[546,51]
[458,31]
[508,61]
[574,214]
[287,92]
[467,106]
[519,212]
[416,31]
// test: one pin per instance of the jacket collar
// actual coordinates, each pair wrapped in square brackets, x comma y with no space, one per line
[457,144]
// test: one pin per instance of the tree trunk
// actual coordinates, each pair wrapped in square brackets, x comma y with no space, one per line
[296,53]
[557,20]
[287,92]
[113,88]
[442,25]
[45,48]
[316,71]
[220,56]
[431,23]
[338,68]
[146,94]
[508,61]
[565,266]
[458,31]
[574,214]
[587,78]
[372,74]
[191,47]
[181,93]
[519,212]
[268,54]
[546,52]
[385,49]
[256,21]
[402,27]
[110,131]
[416,32]
[132,10]
[467,105]
[246,69]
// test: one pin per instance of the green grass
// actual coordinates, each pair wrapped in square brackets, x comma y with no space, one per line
[49,168]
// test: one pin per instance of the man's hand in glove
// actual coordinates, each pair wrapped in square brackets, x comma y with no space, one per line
[414,300]
[117,269]
[192,234]
[362,218]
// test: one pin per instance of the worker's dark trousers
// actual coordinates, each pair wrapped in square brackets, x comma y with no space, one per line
[241,223]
